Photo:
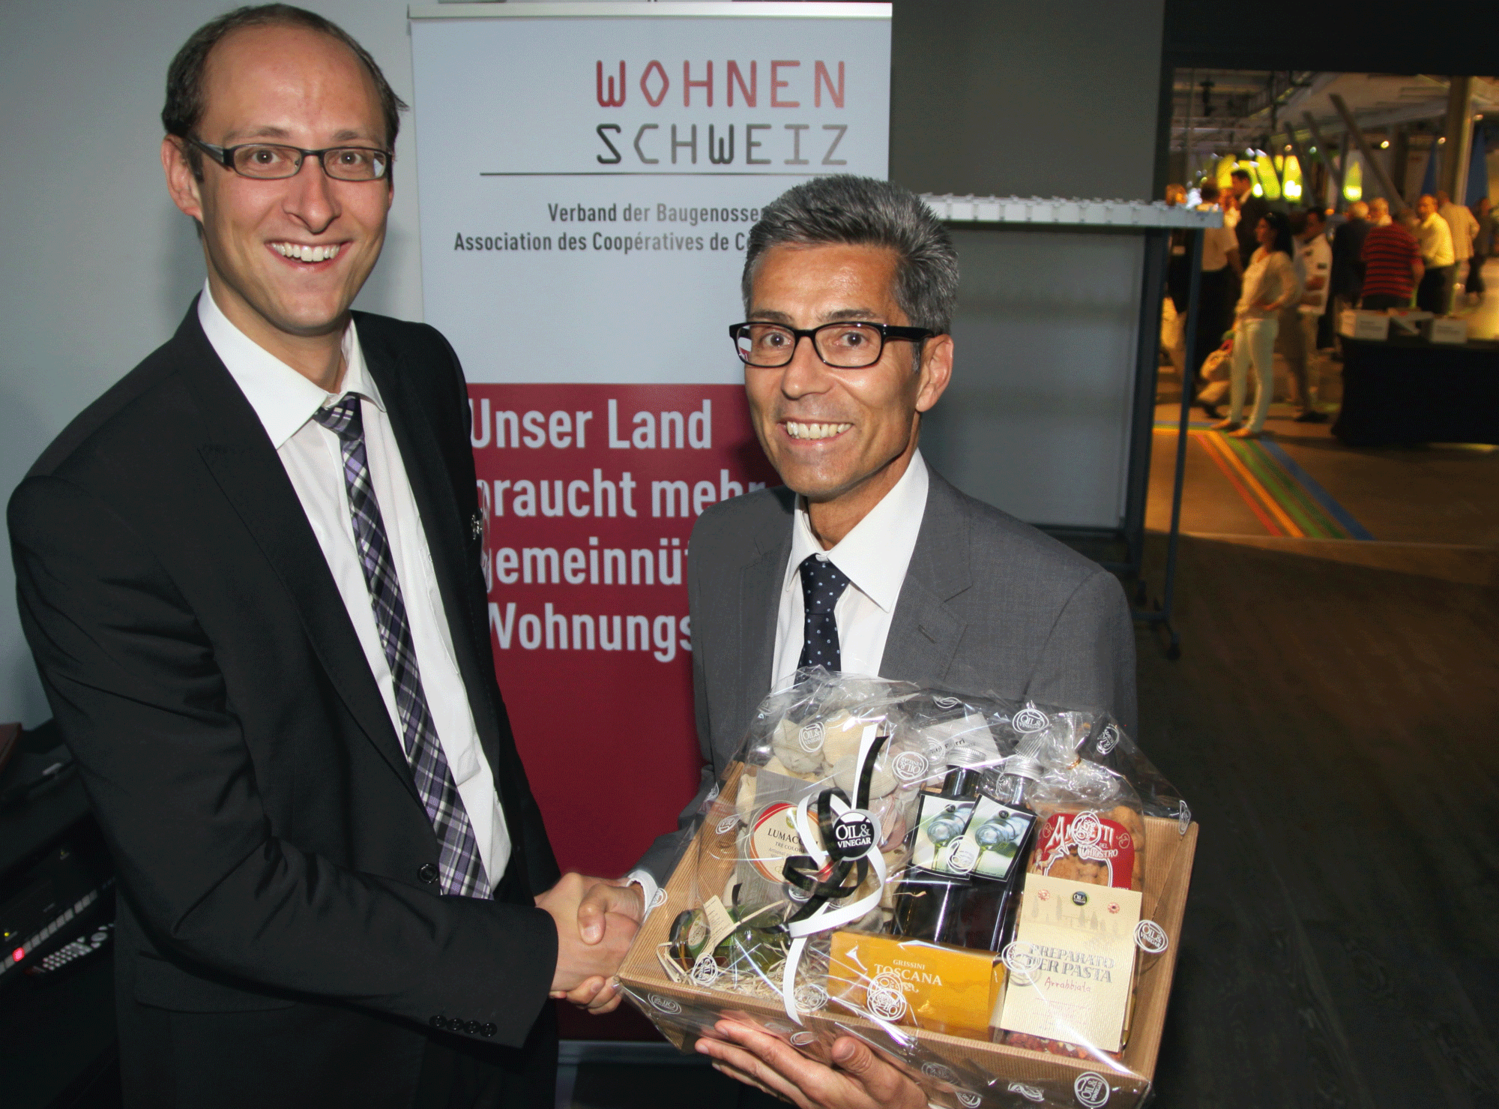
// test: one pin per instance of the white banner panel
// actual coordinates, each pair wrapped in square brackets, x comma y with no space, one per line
[587,180]
[588,175]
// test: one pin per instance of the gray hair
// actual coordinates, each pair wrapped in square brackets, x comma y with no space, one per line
[861,211]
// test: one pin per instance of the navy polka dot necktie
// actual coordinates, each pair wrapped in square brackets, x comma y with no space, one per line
[822,585]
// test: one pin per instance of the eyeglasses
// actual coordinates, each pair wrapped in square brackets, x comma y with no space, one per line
[267,161]
[845,346]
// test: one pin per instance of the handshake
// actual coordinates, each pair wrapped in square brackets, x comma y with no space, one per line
[596,919]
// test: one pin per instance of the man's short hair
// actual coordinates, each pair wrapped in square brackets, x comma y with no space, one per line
[1241,173]
[185,102]
[1208,192]
[861,211]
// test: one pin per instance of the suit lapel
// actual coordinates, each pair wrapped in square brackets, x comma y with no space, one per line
[448,535]
[760,582]
[448,543]
[924,630]
[240,457]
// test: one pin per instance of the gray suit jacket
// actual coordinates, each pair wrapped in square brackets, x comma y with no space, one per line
[989,605]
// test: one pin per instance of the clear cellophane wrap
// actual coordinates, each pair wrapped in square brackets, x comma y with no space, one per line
[803,904]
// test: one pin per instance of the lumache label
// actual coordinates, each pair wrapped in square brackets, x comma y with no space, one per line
[1071,962]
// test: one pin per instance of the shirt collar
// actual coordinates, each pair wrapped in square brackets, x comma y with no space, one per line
[875,554]
[283,399]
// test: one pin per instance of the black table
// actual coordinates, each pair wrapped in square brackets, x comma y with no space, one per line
[1410,391]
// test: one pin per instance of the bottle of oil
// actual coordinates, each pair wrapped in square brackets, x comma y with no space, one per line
[928,904]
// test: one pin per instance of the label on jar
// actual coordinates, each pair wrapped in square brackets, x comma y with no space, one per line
[773,838]
[720,923]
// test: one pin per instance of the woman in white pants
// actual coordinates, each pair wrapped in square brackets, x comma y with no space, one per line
[1269,285]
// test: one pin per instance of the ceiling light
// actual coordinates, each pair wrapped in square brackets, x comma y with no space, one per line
[1385,145]
[1441,140]
[1477,115]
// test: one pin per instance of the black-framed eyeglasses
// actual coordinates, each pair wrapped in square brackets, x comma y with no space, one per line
[270,161]
[845,345]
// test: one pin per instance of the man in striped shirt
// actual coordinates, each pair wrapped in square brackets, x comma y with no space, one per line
[1392,264]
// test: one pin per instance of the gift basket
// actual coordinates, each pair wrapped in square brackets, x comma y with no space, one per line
[987,892]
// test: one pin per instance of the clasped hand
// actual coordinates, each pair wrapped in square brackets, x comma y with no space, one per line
[596,919]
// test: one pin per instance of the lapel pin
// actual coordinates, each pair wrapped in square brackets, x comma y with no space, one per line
[476,525]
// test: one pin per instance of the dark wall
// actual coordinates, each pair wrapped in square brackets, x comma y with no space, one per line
[1454,37]
[1000,97]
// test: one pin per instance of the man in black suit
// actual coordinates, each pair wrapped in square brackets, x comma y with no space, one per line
[1252,209]
[251,577]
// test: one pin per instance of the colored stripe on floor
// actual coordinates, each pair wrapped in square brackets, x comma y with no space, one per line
[1282,495]
[1314,489]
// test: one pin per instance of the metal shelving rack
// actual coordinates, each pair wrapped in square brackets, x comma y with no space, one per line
[1155,220]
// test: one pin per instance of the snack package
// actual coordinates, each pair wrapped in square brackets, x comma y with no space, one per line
[957,880]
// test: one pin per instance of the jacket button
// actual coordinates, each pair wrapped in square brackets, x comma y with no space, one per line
[489,1029]
[436,1022]
[428,873]
[472,1028]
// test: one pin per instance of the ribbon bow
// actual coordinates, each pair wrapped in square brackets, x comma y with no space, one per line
[849,846]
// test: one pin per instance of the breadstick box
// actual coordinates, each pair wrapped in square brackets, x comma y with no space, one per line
[988,893]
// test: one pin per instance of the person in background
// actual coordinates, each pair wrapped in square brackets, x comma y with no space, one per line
[1483,246]
[1437,255]
[1347,280]
[1229,202]
[1178,281]
[1316,271]
[1392,260]
[1464,229]
[1251,209]
[1221,267]
[1269,285]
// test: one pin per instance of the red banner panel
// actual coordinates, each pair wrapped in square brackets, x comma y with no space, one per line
[592,491]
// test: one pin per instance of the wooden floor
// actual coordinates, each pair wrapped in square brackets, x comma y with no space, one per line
[1335,726]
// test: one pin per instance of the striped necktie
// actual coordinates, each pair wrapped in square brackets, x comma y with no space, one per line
[459,866]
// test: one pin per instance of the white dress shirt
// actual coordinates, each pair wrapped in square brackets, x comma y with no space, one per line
[1217,242]
[1316,261]
[1436,241]
[285,402]
[873,556]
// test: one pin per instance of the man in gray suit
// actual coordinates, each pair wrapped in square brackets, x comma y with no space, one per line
[867,561]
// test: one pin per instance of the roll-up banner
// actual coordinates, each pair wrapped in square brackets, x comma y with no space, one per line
[588,174]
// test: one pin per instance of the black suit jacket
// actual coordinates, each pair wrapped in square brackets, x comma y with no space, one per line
[1251,211]
[277,943]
